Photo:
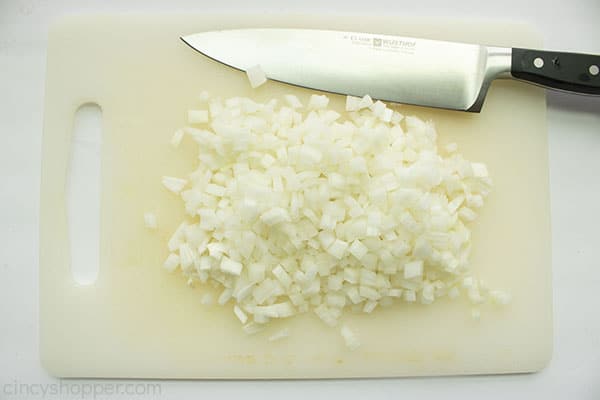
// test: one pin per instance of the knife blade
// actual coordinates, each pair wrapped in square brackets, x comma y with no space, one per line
[400,69]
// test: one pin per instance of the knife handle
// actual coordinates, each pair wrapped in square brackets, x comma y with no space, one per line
[572,72]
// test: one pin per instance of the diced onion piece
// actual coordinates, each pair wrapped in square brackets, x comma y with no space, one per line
[338,248]
[358,250]
[368,293]
[197,116]
[175,185]
[318,101]
[281,334]
[351,275]
[178,237]
[225,296]
[413,269]
[252,328]
[240,314]
[256,76]
[172,262]
[475,201]
[365,102]
[150,220]
[352,103]
[327,314]
[282,276]
[230,266]
[410,296]
[427,294]
[350,338]
[186,256]
[326,239]
[278,310]
[267,160]
[387,115]
[479,170]
[265,290]
[292,101]
[243,292]
[467,214]
[455,203]
[369,306]
[256,272]
[275,216]
[396,117]
[337,300]
[215,190]
[177,137]
[353,295]
[378,108]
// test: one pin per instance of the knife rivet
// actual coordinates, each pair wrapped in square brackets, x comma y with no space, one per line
[538,62]
[594,70]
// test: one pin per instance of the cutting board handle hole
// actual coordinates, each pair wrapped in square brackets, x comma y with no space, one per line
[83,193]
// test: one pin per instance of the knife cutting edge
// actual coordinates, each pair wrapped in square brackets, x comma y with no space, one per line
[407,70]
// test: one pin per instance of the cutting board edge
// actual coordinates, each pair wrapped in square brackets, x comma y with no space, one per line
[47,363]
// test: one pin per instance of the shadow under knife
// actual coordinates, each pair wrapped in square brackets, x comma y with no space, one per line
[573,102]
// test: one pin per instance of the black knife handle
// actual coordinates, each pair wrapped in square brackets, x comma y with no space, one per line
[573,72]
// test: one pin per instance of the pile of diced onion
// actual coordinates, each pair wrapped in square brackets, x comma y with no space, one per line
[296,208]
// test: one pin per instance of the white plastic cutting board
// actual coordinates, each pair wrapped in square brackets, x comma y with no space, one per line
[139,321]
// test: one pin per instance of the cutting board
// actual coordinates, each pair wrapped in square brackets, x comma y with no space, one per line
[137,320]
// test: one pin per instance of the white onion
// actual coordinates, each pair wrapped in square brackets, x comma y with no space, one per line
[365,102]
[252,327]
[413,269]
[150,220]
[197,116]
[318,102]
[294,209]
[175,185]
[256,76]
[352,103]
[292,101]
[172,262]
[369,306]
[177,137]
[358,250]
[281,334]
[240,314]
[479,170]
[350,338]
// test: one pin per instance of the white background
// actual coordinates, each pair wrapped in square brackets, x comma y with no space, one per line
[574,131]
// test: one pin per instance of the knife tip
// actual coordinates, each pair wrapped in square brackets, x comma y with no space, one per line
[185,39]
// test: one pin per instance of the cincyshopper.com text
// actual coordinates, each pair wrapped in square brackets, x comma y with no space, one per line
[82,390]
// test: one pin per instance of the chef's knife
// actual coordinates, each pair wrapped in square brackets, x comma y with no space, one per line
[399,69]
